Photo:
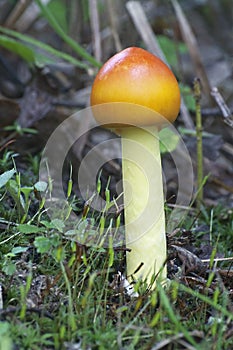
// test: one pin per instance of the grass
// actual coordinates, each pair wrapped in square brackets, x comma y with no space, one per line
[58,293]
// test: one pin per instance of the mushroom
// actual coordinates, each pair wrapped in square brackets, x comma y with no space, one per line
[137,93]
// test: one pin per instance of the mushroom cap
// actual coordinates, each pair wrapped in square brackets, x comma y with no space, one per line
[134,76]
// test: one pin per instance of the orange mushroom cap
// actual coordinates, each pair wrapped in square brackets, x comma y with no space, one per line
[135,77]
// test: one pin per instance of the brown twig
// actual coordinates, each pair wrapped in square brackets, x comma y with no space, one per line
[226,112]
[5,144]
[11,310]
[222,184]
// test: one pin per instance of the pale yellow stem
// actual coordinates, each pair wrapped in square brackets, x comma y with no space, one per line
[144,203]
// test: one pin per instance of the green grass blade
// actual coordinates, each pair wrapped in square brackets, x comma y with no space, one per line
[47,48]
[20,49]
[58,29]
[208,301]
[171,314]
[6,176]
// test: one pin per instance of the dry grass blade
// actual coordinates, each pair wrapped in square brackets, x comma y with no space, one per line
[143,27]
[218,259]
[226,112]
[113,21]
[178,339]
[191,42]
[95,27]
[220,183]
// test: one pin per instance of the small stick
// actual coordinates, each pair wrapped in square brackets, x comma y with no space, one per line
[17,11]
[217,259]
[226,112]
[197,96]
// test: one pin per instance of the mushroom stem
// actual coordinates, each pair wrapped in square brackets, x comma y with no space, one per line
[144,203]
